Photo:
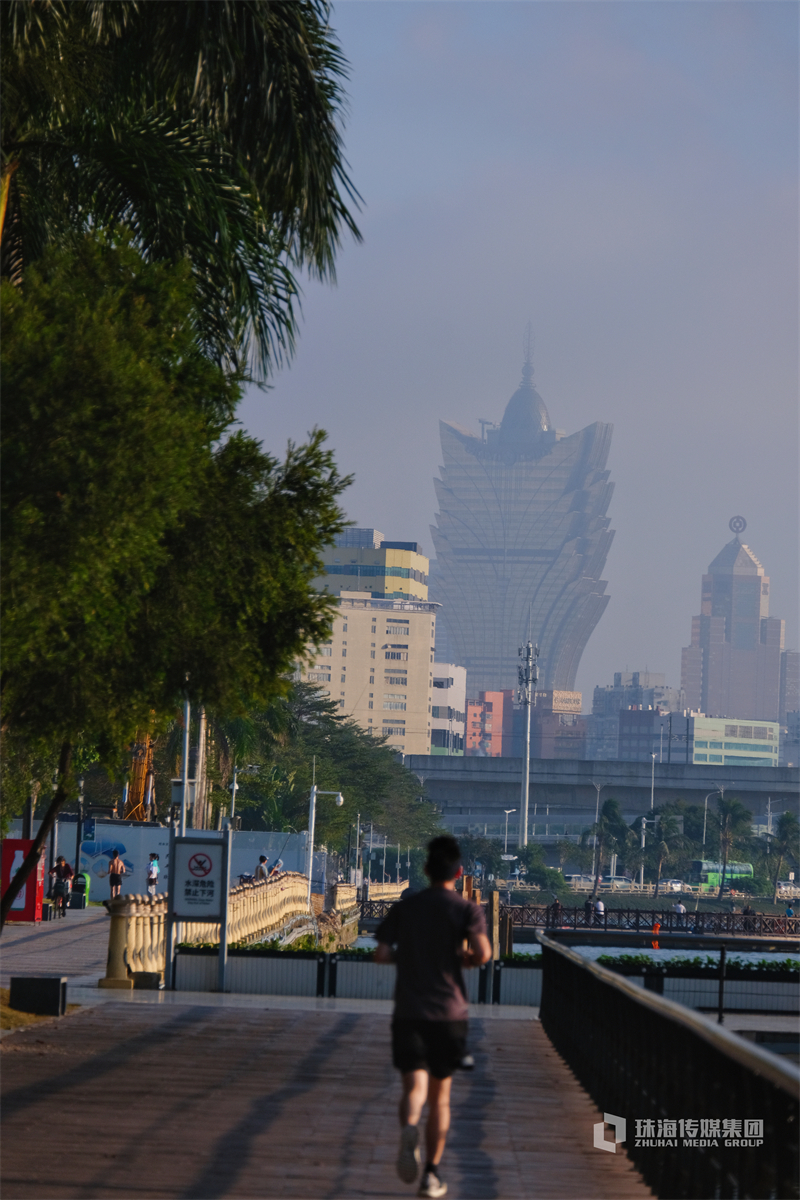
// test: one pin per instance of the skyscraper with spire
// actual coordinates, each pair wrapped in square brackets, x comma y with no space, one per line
[521,540]
[732,668]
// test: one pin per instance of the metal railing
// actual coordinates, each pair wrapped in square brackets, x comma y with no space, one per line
[642,920]
[676,1079]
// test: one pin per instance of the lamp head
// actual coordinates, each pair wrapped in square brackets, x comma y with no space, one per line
[339,799]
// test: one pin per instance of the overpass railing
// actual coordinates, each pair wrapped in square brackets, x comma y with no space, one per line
[138,934]
[701,1112]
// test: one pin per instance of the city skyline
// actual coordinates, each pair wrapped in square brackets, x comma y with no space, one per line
[625,177]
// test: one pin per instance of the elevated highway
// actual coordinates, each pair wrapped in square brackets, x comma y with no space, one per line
[473,793]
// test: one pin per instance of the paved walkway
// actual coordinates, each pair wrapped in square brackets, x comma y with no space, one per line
[75,945]
[162,1101]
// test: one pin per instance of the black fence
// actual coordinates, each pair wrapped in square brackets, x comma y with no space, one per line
[705,1113]
[541,916]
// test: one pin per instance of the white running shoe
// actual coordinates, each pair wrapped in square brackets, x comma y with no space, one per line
[408,1157]
[431,1185]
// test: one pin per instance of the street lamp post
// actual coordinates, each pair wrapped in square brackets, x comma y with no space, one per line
[312,820]
[598,787]
[79,837]
[718,791]
[508,812]
[528,676]
[641,868]
[652,782]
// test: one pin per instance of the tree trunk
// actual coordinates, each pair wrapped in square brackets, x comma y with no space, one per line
[724,871]
[658,878]
[31,859]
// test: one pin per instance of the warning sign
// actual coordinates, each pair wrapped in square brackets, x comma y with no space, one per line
[200,865]
[198,880]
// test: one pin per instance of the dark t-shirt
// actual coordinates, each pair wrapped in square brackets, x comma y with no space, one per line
[428,931]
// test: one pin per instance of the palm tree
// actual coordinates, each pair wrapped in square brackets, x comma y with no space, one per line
[735,823]
[610,836]
[209,131]
[786,845]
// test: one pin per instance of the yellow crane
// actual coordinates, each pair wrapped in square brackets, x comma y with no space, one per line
[141,798]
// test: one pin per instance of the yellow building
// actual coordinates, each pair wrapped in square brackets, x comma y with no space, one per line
[378,666]
[362,561]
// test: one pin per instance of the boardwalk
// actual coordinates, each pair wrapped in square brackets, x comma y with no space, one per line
[160,1101]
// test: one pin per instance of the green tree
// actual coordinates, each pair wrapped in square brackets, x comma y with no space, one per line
[610,834]
[668,840]
[784,846]
[211,131]
[147,551]
[735,825]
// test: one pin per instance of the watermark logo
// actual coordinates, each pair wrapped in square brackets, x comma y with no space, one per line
[600,1140]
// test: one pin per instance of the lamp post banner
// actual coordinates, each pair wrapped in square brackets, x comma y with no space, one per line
[199,870]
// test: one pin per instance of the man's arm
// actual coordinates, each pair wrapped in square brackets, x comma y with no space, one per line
[480,950]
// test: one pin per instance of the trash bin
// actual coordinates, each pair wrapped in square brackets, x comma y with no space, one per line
[80,890]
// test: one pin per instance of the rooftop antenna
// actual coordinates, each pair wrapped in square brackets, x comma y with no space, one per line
[528,343]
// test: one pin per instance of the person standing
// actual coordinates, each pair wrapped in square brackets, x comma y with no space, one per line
[588,910]
[680,910]
[599,912]
[153,872]
[116,869]
[425,935]
[61,875]
[262,870]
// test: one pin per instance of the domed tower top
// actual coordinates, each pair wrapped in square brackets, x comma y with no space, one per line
[526,417]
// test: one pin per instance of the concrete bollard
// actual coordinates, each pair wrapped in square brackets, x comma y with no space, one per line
[116,968]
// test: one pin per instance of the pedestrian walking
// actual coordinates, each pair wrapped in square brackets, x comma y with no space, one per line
[588,910]
[61,875]
[599,912]
[262,870]
[116,869]
[153,872]
[426,936]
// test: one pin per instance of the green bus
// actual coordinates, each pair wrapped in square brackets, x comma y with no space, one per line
[709,874]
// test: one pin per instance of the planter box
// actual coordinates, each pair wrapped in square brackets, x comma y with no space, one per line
[517,983]
[361,979]
[254,972]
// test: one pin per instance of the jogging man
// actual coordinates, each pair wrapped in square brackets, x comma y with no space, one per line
[425,934]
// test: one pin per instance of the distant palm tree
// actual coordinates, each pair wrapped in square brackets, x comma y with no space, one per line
[208,130]
[610,837]
[735,824]
[785,843]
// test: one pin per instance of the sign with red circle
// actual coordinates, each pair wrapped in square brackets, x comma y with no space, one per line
[200,865]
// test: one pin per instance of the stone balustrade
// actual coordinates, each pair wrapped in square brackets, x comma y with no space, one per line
[387,891]
[345,897]
[136,941]
[137,938]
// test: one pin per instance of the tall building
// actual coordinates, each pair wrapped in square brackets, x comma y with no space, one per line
[361,560]
[732,668]
[490,722]
[448,712]
[521,541]
[378,667]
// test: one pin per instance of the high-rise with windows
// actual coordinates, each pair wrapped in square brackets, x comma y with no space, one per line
[521,541]
[732,668]
[378,664]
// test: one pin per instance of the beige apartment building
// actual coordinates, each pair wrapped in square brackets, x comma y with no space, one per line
[363,561]
[378,667]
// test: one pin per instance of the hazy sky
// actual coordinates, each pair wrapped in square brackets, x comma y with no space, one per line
[624,175]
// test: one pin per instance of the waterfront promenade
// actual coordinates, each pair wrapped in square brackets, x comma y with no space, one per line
[174,1095]
[192,1101]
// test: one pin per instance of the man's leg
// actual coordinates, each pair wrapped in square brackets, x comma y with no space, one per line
[438,1119]
[415,1093]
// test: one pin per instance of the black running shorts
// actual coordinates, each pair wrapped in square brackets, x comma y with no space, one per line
[433,1046]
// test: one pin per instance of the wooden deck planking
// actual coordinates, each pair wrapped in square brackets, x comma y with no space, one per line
[200,1102]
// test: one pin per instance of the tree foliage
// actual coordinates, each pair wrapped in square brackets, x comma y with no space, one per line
[210,130]
[149,550]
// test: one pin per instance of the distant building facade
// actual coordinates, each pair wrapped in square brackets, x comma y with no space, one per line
[449,709]
[378,667]
[751,744]
[640,689]
[490,724]
[363,561]
[521,539]
[733,665]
